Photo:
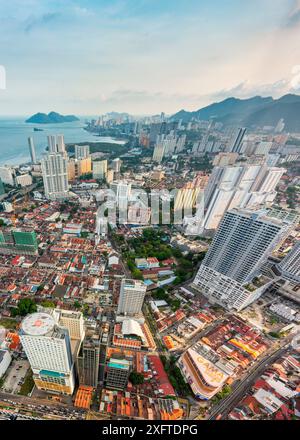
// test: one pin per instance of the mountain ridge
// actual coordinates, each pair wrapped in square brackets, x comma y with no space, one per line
[256,111]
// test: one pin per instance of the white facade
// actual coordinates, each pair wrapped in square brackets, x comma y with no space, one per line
[290,265]
[131,298]
[32,150]
[242,243]
[24,180]
[263,148]
[223,290]
[55,176]
[238,187]
[116,165]
[56,144]
[82,151]
[235,143]
[7,175]
[99,169]
[158,153]
[73,321]
[61,148]
[48,350]
[5,360]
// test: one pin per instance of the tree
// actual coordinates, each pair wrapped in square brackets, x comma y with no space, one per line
[136,378]
[137,274]
[77,304]
[26,306]
[49,304]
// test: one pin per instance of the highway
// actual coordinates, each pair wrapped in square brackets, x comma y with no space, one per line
[241,387]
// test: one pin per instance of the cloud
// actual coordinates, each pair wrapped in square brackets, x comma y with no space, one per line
[247,89]
[34,22]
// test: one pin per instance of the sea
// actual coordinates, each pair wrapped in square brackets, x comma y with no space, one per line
[14,134]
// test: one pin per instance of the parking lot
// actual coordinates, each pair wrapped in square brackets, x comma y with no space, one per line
[15,376]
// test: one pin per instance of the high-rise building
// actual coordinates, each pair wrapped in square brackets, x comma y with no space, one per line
[110,176]
[55,176]
[88,359]
[99,169]
[32,150]
[2,189]
[263,148]
[239,186]
[24,180]
[52,144]
[82,151]
[132,294]
[242,243]
[61,148]
[25,240]
[72,170]
[180,143]
[155,130]
[7,175]
[56,144]
[225,159]
[122,189]
[48,349]
[187,196]
[289,267]
[116,165]
[237,140]
[18,242]
[84,166]
[71,320]
[117,373]
[159,151]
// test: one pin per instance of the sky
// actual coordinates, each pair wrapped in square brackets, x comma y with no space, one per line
[89,57]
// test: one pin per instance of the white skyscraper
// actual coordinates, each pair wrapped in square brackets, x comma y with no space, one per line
[180,143]
[32,150]
[82,151]
[290,265]
[122,190]
[61,148]
[236,140]
[55,176]
[131,298]
[7,175]
[116,165]
[48,349]
[238,186]
[71,320]
[52,144]
[56,144]
[99,169]
[159,152]
[242,243]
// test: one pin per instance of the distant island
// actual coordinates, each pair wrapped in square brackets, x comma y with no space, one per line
[51,118]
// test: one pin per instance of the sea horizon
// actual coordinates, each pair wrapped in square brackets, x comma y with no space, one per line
[14,133]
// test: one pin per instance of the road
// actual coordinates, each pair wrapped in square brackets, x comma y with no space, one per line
[41,408]
[116,248]
[241,387]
